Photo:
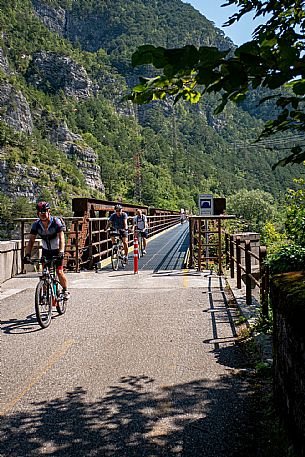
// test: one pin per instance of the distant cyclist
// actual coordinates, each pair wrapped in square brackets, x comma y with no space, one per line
[51,230]
[140,224]
[118,222]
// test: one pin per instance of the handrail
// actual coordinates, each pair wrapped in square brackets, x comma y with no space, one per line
[233,260]
[87,240]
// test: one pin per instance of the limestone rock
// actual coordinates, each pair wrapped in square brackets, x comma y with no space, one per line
[14,108]
[52,72]
[84,156]
[53,18]
[4,63]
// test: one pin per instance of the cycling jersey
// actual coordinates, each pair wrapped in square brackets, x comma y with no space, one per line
[118,221]
[50,238]
[140,222]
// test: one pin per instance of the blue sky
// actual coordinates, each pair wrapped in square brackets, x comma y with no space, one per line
[212,10]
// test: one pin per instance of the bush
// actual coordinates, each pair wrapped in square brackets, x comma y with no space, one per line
[287,258]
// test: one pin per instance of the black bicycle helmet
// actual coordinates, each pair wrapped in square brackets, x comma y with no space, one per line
[118,207]
[43,206]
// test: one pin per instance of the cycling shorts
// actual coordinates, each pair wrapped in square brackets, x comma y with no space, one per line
[144,233]
[49,254]
[122,233]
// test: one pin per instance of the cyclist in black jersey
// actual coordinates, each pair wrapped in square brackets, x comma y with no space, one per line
[51,230]
[118,222]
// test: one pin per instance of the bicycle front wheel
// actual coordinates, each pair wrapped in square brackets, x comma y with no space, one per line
[61,304]
[43,303]
[115,258]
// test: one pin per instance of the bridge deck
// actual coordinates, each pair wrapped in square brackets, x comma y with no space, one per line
[140,366]
[166,251]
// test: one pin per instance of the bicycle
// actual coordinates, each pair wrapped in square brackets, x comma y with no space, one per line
[139,235]
[48,292]
[117,252]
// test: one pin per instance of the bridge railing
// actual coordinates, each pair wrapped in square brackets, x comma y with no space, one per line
[99,243]
[87,241]
[254,268]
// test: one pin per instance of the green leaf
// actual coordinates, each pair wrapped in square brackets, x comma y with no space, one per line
[299,87]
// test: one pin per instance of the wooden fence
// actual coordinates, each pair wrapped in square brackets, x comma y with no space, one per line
[258,276]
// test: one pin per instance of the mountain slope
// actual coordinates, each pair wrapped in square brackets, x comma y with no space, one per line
[67,131]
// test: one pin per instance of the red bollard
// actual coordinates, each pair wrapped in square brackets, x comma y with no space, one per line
[135,255]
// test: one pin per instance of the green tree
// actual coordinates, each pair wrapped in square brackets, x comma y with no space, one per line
[295,220]
[272,59]
[253,207]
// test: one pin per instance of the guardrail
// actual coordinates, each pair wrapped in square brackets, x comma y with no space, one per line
[87,240]
[99,243]
[234,251]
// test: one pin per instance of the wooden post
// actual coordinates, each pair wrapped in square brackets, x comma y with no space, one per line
[219,248]
[22,246]
[231,256]
[238,262]
[191,230]
[77,248]
[263,280]
[227,254]
[199,246]
[248,272]
[90,245]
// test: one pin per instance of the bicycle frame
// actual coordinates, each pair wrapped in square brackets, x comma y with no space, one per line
[48,293]
[117,249]
[138,234]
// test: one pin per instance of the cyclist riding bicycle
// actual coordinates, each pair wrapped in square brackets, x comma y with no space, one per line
[51,231]
[118,222]
[140,225]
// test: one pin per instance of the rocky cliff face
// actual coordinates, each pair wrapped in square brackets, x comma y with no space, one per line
[4,63]
[19,180]
[49,72]
[84,156]
[14,108]
[53,18]
[52,72]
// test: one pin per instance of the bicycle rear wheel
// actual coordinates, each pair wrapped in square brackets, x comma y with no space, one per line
[140,246]
[115,258]
[121,257]
[43,303]
[61,303]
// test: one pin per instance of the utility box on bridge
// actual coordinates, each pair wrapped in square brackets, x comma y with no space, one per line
[206,205]
[211,206]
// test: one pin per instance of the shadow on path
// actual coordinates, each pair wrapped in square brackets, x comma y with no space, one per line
[139,418]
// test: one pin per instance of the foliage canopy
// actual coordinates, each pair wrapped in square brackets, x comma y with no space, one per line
[272,59]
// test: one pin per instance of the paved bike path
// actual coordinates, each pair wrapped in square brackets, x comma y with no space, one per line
[165,251]
[140,365]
